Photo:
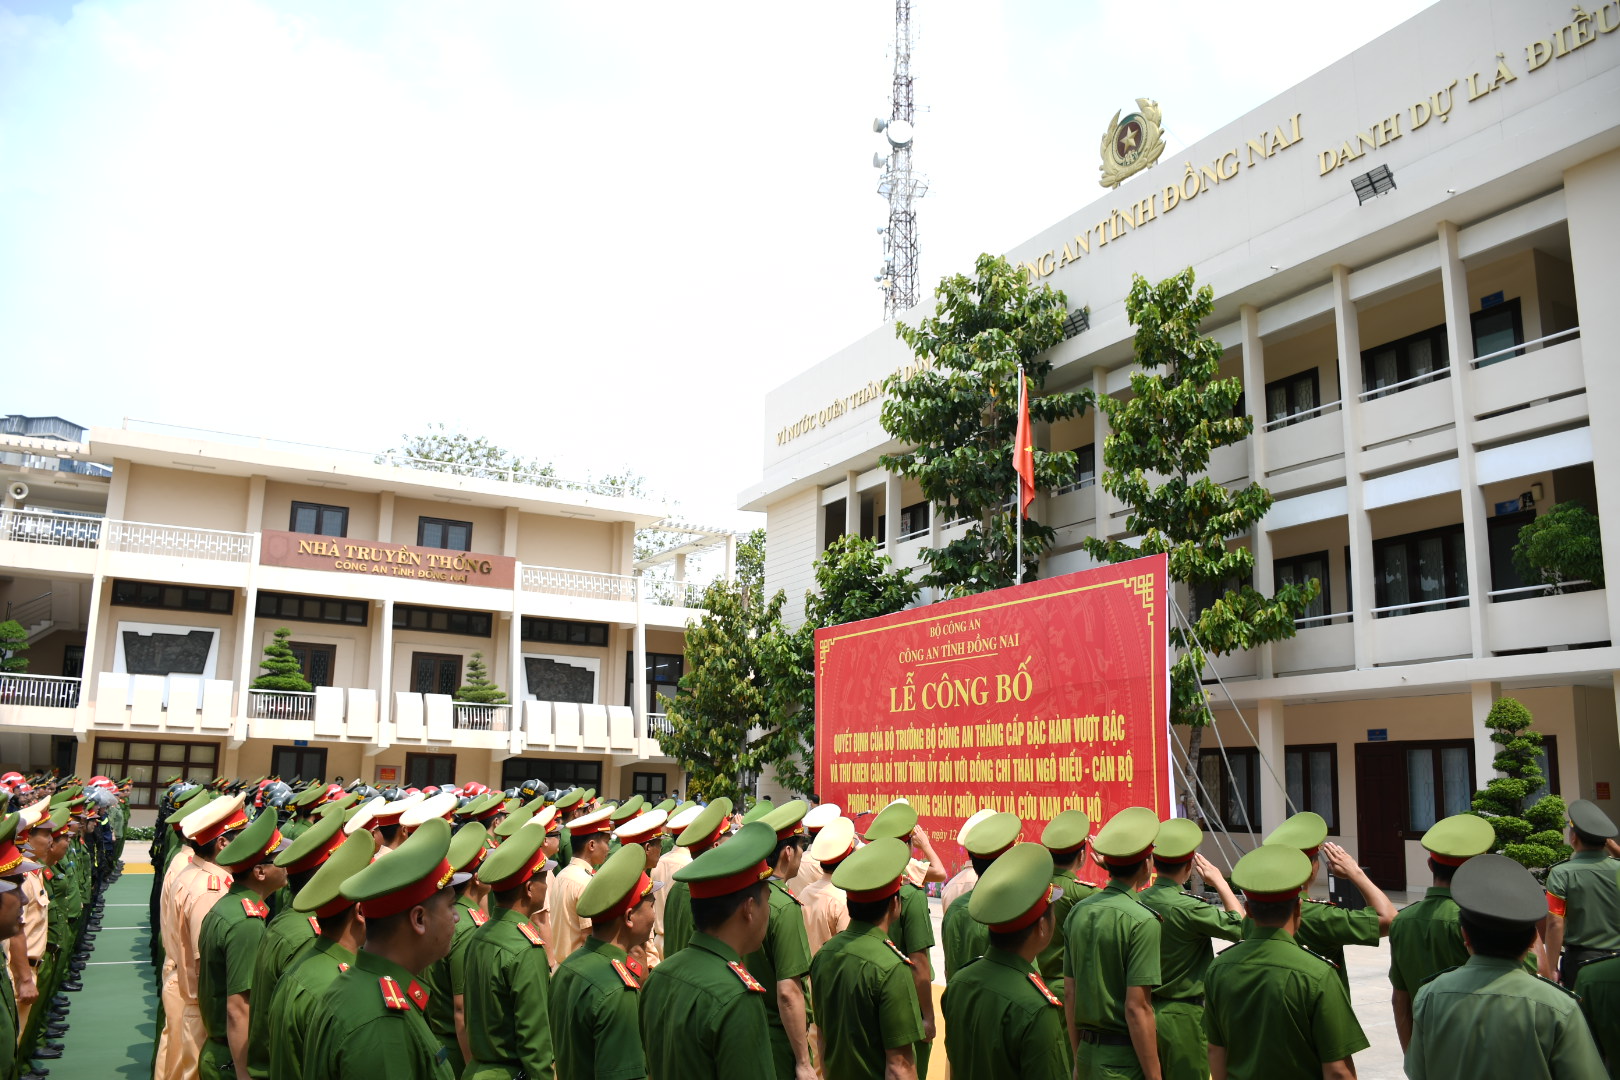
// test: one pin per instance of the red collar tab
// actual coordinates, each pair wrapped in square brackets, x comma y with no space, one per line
[418,995]
[315,925]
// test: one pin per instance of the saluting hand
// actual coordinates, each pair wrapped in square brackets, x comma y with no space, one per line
[1206,869]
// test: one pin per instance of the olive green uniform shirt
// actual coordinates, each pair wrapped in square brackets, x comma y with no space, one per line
[8,1030]
[913,931]
[702,1020]
[1585,882]
[1326,928]
[1490,1017]
[1598,986]
[1111,942]
[865,1001]
[508,995]
[785,955]
[595,1022]
[228,947]
[355,1033]
[678,918]
[1050,962]
[1187,926]
[966,938]
[999,1025]
[447,978]
[285,939]
[292,1007]
[1278,1009]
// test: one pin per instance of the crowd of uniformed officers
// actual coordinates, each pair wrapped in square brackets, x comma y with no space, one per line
[482,935]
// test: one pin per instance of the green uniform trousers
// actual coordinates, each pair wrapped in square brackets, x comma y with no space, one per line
[1099,1062]
[1183,1046]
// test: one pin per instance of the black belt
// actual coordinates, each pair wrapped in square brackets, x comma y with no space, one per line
[1104,1038]
[1198,1001]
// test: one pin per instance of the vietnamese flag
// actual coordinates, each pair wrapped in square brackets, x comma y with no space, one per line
[1024,451]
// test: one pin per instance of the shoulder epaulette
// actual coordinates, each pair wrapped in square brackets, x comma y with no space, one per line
[745,976]
[256,909]
[624,975]
[531,933]
[787,892]
[1598,959]
[1201,899]
[478,916]
[1437,974]
[1551,983]
[213,883]
[897,951]
[1040,984]
[392,995]
[1324,903]
[1319,956]
[315,925]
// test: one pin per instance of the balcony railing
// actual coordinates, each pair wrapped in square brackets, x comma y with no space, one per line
[1405,384]
[280,705]
[583,583]
[51,527]
[1324,620]
[1290,419]
[470,716]
[1519,350]
[1416,607]
[142,538]
[670,593]
[49,691]
[1525,592]
[658,725]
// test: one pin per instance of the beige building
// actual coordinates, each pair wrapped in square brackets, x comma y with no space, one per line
[150,571]
[1416,258]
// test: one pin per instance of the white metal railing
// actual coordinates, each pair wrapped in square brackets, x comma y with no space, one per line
[913,534]
[473,716]
[1302,415]
[51,528]
[585,583]
[281,704]
[658,725]
[1439,603]
[667,592]
[1550,589]
[1520,350]
[1324,620]
[1397,387]
[49,691]
[144,538]
[1083,482]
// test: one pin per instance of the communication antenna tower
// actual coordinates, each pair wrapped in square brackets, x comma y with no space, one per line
[898,277]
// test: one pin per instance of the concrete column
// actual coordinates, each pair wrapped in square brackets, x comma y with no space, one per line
[891,511]
[250,651]
[1362,595]
[680,570]
[255,505]
[731,556]
[852,505]
[1254,383]
[518,687]
[638,674]
[385,517]
[1103,502]
[509,535]
[95,655]
[1460,345]
[1484,695]
[1268,714]
[382,663]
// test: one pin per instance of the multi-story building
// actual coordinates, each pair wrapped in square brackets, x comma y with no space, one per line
[1416,258]
[150,570]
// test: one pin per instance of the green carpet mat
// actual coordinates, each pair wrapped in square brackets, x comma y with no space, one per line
[110,1021]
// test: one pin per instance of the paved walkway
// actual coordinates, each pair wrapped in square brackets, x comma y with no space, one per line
[110,1021]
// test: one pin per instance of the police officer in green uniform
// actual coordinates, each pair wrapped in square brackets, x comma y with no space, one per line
[228,945]
[1111,958]
[783,959]
[297,995]
[1597,984]
[12,868]
[370,1021]
[1001,1018]
[508,972]
[702,1011]
[569,806]
[1273,1010]
[1325,927]
[446,979]
[704,833]
[595,994]
[1065,839]
[1490,1017]
[913,931]
[1426,937]
[303,806]
[1583,899]
[964,937]
[861,987]
[1187,926]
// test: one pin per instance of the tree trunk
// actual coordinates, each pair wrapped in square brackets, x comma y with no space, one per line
[1195,743]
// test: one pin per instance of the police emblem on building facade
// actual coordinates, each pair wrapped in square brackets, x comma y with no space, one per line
[1131,143]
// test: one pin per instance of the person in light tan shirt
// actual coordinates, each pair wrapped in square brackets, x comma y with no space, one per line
[664,873]
[816,818]
[647,831]
[589,833]
[826,906]
[965,878]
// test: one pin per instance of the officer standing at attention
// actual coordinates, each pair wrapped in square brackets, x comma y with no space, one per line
[589,837]
[702,1012]
[1001,1019]
[1326,928]
[1426,937]
[963,879]
[966,939]
[672,859]
[706,830]
[783,959]
[913,931]
[370,1021]
[1490,1016]
[1583,899]
[645,832]
[1187,925]
[1065,839]
[816,818]
[13,868]
[446,980]
[508,973]
[595,995]
[1597,984]
[826,908]
[1274,1010]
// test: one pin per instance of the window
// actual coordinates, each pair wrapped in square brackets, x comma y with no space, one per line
[425,770]
[151,765]
[1313,781]
[1501,533]
[664,672]
[320,520]
[1300,569]
[444,533]
[435,673]
[1287,398]
[300,762]
[1418,567]
[1496,328]
[442,620]
[1439,782]
[1085,469]
[315,661]
[1229,796]
[557,773]
[73,662]
[275,605]
[1547,761]
[913,521]
[172,597]
[1411,357]
[1204,596]
[649,785]
[559,632]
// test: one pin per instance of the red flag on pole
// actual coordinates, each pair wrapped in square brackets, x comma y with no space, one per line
[1024,451]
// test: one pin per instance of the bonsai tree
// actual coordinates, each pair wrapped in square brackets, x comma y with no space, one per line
[1564,544]
[13,640]
[479,689]
[1530,835]
[282,671]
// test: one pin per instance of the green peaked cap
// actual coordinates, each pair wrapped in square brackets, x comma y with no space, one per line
[514,821]
[509,859]
[1460,836]
[194,793]
[758,811]
[993,835]
[612,881]
[1178,839]
[59,818]
[307,796]
[788,816]
[1065,832]
[627,809]
[1129,832]
[572,797]
[1305,831]
[346,800]
[1273,870]
[893,822]
[482,804]
[467,843]
[1013,884]
[590,793]
[1587,818]
[751,846]
[704,825]
[1496,888]
[310,840]
[875,866]
[330,809]
[406,865]
[250,842]
[351,857]
[667,806]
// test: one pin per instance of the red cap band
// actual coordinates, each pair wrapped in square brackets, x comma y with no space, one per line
[337,906]
[404,899]
[1272,897]
[237,820]
[725,886]
[523,873]
[1449,860]
[592,828]
[698,847]
[631,899]
[10,857]
[1127,860]
[1029,917]
[836,859]
[476,861]
[872,896]
[319,855]
[796,829]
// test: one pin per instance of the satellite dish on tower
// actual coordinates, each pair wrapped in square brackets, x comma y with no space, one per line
[899,134]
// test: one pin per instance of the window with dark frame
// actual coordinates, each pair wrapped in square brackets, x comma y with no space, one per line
[324,609]
[664,671]
[563,632]
[649,785]
[1497,328]
[430,770]
[1300,569]
[1312,778]
[73,661]
[1501,534]
[559,774]
[151,764]
[153,594]
[316,661]
[1411,357]
[444,533]
[442,620]
[1230,796]
[319,519]
[1423,566]
[1439,782]
[435,673]
[302,762]
[1289,397]
[1085,469]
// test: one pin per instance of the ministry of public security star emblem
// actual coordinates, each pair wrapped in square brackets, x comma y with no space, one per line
[1131,144]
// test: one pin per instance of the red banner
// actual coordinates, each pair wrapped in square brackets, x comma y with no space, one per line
[1031,699]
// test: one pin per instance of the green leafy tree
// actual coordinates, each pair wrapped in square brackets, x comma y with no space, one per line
[479,688]
[282,671]
[959,412]
[468,455]
[13,641]
[1156,462]
[1564,544]
[1532,835]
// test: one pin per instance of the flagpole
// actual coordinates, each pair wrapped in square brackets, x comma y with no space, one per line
[1018,491]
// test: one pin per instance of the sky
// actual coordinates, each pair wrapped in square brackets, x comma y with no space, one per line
[595,233]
